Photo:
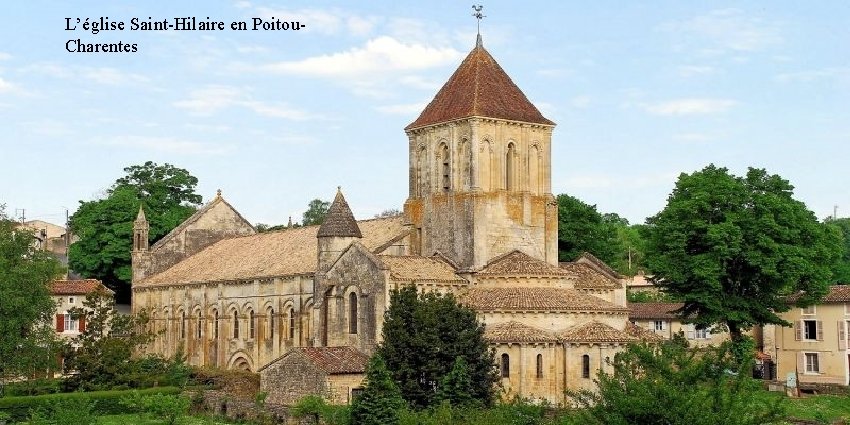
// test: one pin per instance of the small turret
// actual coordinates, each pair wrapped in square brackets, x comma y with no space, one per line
[337,232]
[140,231]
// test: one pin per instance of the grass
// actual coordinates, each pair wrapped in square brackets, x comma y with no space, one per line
[141,420]
[821,408]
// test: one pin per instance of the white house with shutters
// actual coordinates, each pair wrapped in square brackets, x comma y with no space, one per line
[68,294]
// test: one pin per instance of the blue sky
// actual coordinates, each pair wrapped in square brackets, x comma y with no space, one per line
[641,91]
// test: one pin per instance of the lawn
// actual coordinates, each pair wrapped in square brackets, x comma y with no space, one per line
[820,407]
[141,420]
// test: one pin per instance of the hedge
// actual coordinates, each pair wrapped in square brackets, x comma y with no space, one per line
[106,402]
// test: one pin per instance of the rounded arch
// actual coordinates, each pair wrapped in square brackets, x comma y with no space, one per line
[534,168]
[464,163]
[444,165]
[485,174]
[510,165]
[240,361]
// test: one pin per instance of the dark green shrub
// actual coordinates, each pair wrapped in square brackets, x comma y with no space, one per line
[105,402]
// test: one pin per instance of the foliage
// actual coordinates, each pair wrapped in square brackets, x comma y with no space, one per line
[423,334]
[28,342]
[105,226]
[101,355]
[103,402]
[688,383]
[381,400]
[581,229]
[234,382]
[650,297]
[734,248]
[456,387]
[37,386]
[841,269]
[392,212]
[68,411]
[517,411]
[317,209]
[314,406]
[166,407]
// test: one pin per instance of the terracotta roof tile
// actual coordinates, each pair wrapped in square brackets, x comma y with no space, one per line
[282,253]
[586,277]
[339,221]
[75,287]
[838,294]
[336,360]
[517,263]
[415,268]
[595,332]
[642,334]
[534,299]
[654,310]
[517,332]
[479,88]
[599,263]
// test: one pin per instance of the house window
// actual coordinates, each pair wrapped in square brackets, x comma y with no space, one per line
[71,323]
[660,325]
[539,366]
[810,330]
[506,365]
[356,392]
[585,366]
[215,324]
[200,325]
[70,300]
[235,324]
[808,310]
[812,363]
[271,323]
[700,333]
[291,323]
[251,325]
[352,313]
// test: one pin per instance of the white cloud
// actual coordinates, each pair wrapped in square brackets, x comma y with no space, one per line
[323,21]
[809,76]
[693,106]
[212,99]
[6,86]
[728,29]
[403,109]
[693,137]
[419,82]
[5,56]
[380,55]
[581,101]
[695,70]
[165,144]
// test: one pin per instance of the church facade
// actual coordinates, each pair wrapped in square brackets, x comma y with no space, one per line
[480,222]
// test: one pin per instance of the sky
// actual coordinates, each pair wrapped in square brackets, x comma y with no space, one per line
[641,91]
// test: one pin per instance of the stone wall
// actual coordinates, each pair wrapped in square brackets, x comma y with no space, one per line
[288,380]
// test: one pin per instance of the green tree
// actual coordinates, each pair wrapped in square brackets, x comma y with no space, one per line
[105,226]
[582,229]
[27,337]
[695,387]
[380,401]
[423,335]
[102,354]
[456,387]
[734,248]
[317,209]
[841,269]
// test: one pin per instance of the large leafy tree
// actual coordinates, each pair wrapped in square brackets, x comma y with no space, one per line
[734,248]
[583,229]
[423,335]
[26,308]
[317,209]
[381,400]
[841,269]
[105,226]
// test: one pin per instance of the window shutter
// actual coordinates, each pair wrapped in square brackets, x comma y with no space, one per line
[798,330]
[60,323]
[820,330]
[82,323]
[801,362]
[842,335]
[691,332]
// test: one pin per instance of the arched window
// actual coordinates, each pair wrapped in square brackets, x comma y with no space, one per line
[252,329]
[486,171]
[465,158]
[585,366]
[215,324]
[271,323]
[534,171]
[235,324]
[291,323]
[183,325]
[352,313]
[509,167]
[446,167]
[506,365]
[200,324]
[539,365]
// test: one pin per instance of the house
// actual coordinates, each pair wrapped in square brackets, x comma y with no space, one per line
[69,294]
[333,372]
[663,320]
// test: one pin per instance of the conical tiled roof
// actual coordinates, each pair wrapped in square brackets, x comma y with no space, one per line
[479,88]
[339,221]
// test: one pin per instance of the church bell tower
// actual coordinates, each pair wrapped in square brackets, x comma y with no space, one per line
[480,170]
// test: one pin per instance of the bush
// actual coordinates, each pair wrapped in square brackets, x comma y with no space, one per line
[77,411]
[105,402]
[165,407]
[33,387]
[234,382]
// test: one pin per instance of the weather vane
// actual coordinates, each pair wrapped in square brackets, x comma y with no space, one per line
[478,15]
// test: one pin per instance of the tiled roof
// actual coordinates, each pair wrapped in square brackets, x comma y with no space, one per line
[194,218]
[642,334]
[415,268]
[534,299]
[838,294]
[600,264]
[595,332]
[336,360]
[339,221]
[282,253]
[75,287]
[517,263]
[479,88]
[586,277]
[654,310]
[517,332]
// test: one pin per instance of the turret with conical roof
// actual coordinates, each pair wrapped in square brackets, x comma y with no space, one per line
[338,230]
[480,169]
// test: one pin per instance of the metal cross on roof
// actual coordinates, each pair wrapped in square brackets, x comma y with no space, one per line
[478,17]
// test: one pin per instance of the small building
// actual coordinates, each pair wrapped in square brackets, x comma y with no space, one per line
[815,347]
[662,319]
[68,294]
[335,373]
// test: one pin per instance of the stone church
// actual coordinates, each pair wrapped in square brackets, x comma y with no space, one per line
[480,221]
